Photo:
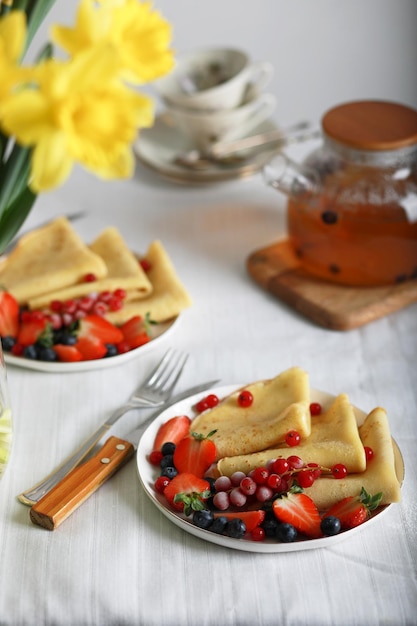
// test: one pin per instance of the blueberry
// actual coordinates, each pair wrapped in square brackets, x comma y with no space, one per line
[67,339]
[270,526]
[166,461]
[330,525]
[47,354]
[211,482]
[168,448]
[7,343]
[169,472]
[30,352]
[219,524]
[286,533]
[236,528]
[111,350]
[203,518]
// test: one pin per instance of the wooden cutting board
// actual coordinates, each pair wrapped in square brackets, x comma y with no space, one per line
[277,269]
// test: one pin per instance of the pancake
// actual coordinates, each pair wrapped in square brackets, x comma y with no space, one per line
[168,297]
[279,405]
[334,438]
[122,271]
[379,476]
[48,259]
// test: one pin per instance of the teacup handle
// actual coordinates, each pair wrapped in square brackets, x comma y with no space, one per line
[259,75]
[259,110]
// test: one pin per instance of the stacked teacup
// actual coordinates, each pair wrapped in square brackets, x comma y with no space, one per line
[216,95]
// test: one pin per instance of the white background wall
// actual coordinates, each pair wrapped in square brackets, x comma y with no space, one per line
[324,51]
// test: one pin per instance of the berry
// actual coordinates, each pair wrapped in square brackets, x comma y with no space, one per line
[330,525]
[169,472]
[354,510]
[258,534]
[245,398]
[187,493]
[248,486]
[145,265]
[236,478]
[305,478]
[237,497]
[251,519]
[166,461]
[263,493]
[47,354]
[7,343]
[135,332]
[369,454]
[9,315]
[90,277]
[295,462]
[270,526]
[287,533]
[274,481]
[221,500]
[160,483]
[168,448]
[195,454]
[299,510]
[173,431]
[339,470]
[100,308]
[260,475]
[212,400]
[155,457]
[280,466]
[120,293]
[219,524]
[203,518]
[201,406]
[292,438]
[223,483]
[32,329]
[111,350]
[235,528]
[315,408]
[30,352]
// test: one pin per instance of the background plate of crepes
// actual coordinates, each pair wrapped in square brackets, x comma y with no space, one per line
[52,262]
[371,434]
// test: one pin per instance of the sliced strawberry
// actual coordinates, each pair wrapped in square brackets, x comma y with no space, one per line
[173,430]
[195,454]
[67,353]
[252,519]
[91,348]
[186,492]
[299,510]
[135,332]
[95,326]
[9,315]
[32,329]
[354,510]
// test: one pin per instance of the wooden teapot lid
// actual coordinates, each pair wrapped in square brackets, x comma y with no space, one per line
[372,125]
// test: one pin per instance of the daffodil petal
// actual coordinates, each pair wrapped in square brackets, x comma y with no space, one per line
[13,34]
[51,163]
[26,115]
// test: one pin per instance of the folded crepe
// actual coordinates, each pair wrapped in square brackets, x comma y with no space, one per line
[122,271]
[379,476]
[47,259]
[168,297]
[279,405]
[334,438]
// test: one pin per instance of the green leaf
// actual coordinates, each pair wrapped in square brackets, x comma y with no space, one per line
[36,11]
[14,176]
[13,218]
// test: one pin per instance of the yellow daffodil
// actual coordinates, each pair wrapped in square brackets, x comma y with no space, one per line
[12,42]
[79,112]
[139,35]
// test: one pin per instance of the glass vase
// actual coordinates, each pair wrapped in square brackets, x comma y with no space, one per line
[5,417]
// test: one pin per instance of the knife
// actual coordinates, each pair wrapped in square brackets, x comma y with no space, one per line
[56,505]
[72,217]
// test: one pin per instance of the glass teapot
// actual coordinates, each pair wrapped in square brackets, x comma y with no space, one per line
[352,204]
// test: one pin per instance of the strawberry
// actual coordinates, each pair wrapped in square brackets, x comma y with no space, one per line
[97,327]
[91,348]
[67,353]
[9,315]
[135,332]
[298,509]
[195,454]
[354,510]
[186,492]
[252,519]
[34,328]
[173,430]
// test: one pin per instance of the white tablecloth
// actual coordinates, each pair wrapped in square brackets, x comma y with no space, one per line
[117,560]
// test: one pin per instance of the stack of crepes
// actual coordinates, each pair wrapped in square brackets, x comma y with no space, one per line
[51,263]
[250,437]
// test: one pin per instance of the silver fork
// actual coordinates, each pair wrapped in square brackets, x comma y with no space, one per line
[151,393]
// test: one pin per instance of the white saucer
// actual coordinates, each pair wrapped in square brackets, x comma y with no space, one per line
[157,148]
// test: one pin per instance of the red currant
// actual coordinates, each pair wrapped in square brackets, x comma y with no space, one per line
[274,481]
[90,278]
[155,457]
[339,470]
[315,408]
[280,466]
[315,468]
[160,483]
[145,265]
[120,293]
[212,400]
[295,462]
[105,296]
[369,454]
[257,534]
[115,304]
[305,478]
[245,398]
[55,306]
[201,406]
[260,475]
[292,438]
[100,308]
[69,306]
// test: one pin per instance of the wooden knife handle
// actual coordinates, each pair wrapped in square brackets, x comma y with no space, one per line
[80,483]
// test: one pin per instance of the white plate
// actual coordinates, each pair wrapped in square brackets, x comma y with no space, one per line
[160,332]
[148,475]
[157,148]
